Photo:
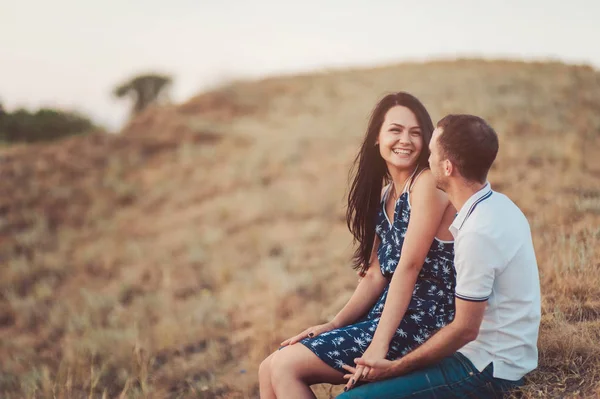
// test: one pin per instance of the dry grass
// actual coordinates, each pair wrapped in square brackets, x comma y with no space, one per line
[166,262]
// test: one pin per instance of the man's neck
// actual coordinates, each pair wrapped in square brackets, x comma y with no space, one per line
[460,191]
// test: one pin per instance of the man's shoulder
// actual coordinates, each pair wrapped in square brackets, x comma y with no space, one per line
[498,217]
[500,210]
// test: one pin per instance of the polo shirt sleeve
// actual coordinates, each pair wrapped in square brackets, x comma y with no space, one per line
[476,259]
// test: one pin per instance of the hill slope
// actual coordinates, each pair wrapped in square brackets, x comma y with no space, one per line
[169,260]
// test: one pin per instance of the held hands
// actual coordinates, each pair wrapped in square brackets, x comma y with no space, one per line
[370,367]
[310,332]
[380,369]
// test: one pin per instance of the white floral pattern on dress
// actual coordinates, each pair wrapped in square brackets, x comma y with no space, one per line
[431,306]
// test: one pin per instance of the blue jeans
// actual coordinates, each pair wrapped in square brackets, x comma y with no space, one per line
[454,377]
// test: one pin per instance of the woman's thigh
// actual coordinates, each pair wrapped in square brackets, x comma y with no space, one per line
[300,362]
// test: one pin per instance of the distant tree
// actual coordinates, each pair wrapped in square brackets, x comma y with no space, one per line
[2,134]
[144,90]
[43,125]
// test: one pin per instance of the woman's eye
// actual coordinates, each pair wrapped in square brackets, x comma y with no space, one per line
[416,132]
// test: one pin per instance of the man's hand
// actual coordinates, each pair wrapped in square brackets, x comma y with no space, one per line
[380,369]
[373,353]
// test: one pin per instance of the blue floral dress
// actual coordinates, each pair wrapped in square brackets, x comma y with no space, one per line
[431,306]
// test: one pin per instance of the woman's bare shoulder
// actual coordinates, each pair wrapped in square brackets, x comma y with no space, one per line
[423,180]
[424,185]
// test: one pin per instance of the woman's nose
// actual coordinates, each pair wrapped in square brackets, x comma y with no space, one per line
[404,138]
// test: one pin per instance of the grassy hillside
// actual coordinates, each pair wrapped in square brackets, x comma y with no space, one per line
[168,261]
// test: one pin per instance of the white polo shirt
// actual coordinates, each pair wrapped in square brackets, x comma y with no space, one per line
[495,262]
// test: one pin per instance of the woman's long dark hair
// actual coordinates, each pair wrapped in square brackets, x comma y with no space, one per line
[371,171]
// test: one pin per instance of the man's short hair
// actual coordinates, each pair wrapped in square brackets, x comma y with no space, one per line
[470,144]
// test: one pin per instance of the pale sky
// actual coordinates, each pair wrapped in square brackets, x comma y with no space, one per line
[71,53]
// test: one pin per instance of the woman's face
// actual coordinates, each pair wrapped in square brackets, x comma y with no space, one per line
[400,139]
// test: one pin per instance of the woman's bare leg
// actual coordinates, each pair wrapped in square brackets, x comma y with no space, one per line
[295,368]
[264,379]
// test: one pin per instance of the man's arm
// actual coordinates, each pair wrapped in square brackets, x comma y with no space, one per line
[476,259]
[462,330]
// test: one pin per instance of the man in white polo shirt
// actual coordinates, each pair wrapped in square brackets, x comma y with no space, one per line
[492,342]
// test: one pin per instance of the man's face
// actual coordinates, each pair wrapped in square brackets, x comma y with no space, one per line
[436,163]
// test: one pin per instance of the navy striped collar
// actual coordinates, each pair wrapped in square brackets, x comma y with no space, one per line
[469,206]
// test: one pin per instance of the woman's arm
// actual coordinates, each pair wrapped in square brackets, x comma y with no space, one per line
[366,293]
[370,287]
[427,209]
[368,290]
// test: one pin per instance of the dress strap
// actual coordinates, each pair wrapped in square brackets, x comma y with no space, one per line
[413,181]
[385,194]
[408,184]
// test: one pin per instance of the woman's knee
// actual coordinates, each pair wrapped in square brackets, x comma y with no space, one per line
[264,370]
[284,364]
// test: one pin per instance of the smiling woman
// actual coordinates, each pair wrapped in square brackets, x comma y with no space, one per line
[400,141]
[387,316]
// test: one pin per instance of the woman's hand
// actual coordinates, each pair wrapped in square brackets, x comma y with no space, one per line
[380,370]
[373,355]
[310,332]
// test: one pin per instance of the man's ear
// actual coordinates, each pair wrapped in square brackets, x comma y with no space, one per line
[448,168]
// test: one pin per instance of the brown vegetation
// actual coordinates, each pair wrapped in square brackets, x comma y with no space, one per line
[167,261]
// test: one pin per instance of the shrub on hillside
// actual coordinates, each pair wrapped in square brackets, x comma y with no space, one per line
[42,125]
[145,90]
